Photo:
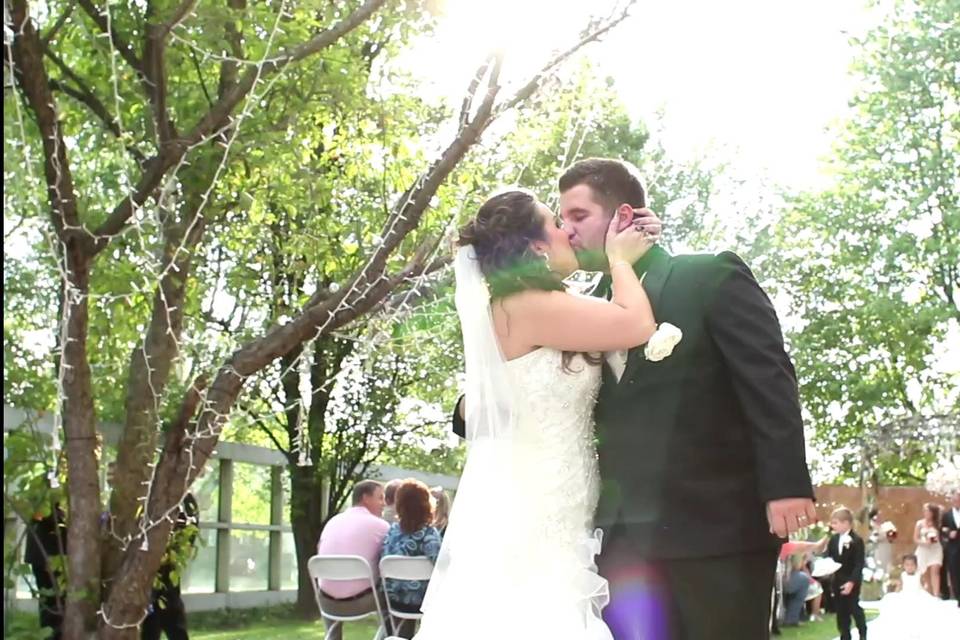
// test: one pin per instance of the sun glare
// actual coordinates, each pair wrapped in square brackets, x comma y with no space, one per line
[528,32]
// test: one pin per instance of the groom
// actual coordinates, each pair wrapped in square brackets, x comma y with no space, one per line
[702,457]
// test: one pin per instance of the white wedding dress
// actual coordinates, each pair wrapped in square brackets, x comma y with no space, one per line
[517,561]
[914,614]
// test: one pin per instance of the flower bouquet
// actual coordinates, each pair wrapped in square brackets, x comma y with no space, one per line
[889,530]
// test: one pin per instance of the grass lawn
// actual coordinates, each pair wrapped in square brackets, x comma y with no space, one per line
[250,624]
[361,630]
[825,630]
[276,622]
[281,623]
[271,627]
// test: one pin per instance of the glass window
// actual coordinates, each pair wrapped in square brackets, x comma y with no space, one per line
[251,494]
[201,573]
[206,489]
[285,483]
[14,554]
[249,560]
[288,561]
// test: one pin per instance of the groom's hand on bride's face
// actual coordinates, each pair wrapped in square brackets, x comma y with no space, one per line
[789,515]
[648,221]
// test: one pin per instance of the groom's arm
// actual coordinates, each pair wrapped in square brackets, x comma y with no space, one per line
[744,326]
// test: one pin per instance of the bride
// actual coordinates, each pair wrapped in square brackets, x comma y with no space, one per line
[517,560]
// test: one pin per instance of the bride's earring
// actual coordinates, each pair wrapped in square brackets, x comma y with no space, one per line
[546,260]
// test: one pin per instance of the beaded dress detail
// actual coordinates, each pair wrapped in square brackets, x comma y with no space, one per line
[522,566]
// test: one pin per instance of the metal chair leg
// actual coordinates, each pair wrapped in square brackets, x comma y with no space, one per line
[329,634]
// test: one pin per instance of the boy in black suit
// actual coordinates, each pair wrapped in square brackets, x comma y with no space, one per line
[847,548]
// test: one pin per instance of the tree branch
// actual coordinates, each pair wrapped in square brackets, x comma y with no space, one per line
[106,27]
[155,69]
[31,75]
[472,92]
[175,149]
[528,89]
[179,15]
[83,94]
[55,29]
[216,117]
[411,206]
[151,360]
[263,427]
[203,83]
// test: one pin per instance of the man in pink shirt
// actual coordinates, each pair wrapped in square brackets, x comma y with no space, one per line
[358,531]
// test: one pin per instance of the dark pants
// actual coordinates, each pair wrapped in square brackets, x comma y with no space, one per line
[951,562]
[170,619]
[827,604]
[714,598]
[51,602]
[847,607]
[404,628]
[355,606]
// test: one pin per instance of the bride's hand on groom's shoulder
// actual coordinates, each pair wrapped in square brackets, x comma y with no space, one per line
[788,515]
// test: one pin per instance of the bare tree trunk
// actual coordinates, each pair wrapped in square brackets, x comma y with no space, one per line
[126,604]
[307,518]
[74,257]
[152,360]
[79,427]
[308,508]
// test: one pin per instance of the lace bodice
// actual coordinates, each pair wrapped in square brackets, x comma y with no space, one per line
[555,437]
[540,484]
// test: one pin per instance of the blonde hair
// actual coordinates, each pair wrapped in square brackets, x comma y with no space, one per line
[842,514]
[441,512]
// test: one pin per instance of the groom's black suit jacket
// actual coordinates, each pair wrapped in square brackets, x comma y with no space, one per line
[693,446]
[951,547]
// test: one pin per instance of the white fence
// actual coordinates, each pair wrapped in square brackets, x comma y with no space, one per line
[246,556]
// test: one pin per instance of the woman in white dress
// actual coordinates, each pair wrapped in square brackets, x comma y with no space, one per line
[911,613]
[517,560]
[929,550]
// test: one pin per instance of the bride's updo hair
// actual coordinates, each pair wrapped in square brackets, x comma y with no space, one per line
[501,234]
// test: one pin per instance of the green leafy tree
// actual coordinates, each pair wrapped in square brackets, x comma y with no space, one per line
[155,143]
[871,266]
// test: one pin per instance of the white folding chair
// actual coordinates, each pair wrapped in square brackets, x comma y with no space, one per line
[334,567]
[403,568]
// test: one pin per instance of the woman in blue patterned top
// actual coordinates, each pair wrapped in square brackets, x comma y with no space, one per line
[413,535]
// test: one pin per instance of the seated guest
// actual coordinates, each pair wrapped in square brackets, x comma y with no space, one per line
[441,512]
[413,535]
[795,589]
[814,594]
[787,550]
[390,495]
[358,531]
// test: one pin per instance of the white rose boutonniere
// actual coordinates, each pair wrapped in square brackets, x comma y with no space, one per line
[662,342]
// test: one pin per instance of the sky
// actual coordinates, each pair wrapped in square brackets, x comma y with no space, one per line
[759,80]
